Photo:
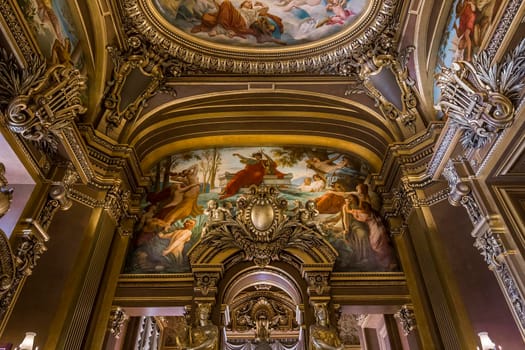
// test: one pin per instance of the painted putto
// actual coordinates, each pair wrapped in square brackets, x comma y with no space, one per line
[266,23]
[193,190]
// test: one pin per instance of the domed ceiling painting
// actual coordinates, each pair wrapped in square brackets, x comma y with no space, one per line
[265,23]
[191,188]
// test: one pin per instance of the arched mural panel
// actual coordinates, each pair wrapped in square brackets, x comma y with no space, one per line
[187,186]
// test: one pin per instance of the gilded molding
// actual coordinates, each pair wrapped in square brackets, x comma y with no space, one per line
[362,67]
[7,262]
[117,318]
[407,318]
[117,203]
[490,245]
[222,60]
[13,25]
[488,241]
[480,97]
[29,249]
[503,27]
[154,66]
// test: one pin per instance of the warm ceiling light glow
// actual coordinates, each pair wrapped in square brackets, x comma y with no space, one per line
[27,343]
[486,342]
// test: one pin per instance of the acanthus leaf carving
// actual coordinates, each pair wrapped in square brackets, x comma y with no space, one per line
[480,96]
[40,101]
[262,227]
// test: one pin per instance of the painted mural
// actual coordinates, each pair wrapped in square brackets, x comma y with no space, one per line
[184,185]
[266,23]
[469,24]
[51,22]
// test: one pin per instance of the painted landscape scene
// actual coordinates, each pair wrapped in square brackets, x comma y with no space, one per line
[174,212]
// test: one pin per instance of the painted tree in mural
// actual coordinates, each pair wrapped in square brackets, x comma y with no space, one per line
[209,164]
[164,168]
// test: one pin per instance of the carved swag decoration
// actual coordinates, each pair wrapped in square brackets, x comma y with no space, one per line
[480,97]
[37,102]
[261,227]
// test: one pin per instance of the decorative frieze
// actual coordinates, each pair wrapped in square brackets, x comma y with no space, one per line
[407,318]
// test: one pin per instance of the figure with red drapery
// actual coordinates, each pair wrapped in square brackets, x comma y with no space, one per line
[255,168]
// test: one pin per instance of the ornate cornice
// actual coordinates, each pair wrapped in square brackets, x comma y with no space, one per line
[304,59]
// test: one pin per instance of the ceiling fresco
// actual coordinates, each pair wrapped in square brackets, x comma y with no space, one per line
[190,187]
[272,23]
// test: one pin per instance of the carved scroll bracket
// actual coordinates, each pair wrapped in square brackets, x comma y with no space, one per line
[118,205]
[48,100]
[481,97]
[58,196]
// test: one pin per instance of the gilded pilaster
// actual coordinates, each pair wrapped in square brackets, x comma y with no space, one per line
[430,280]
